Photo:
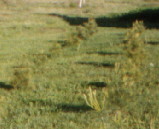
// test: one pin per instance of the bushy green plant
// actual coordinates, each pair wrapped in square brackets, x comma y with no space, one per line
[134,46]
[135,52]
[91,27]
[82,33]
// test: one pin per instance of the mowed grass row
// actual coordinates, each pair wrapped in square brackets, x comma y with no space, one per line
[54,98]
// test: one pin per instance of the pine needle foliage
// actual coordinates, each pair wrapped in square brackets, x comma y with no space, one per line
[82,33]
[135,53]
[134,47]
[91,27]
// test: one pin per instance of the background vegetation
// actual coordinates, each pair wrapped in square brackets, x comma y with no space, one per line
[111,82]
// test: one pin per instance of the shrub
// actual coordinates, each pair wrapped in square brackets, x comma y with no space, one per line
[82,33]
[134,46]
[135,53]
[91,27]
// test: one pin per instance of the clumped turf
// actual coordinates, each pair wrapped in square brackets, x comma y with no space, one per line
[43,82]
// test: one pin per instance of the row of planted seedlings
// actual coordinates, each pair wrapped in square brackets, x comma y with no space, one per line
[128,69]
[132,76]
[129,85]
[30,64]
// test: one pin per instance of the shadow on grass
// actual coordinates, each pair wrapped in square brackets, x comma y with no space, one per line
[105,53]
[58,107]
[97,84]
[147,42]
[149,16]
[153,43]
[73,108]
[97,64]
[41,102]
[5,86]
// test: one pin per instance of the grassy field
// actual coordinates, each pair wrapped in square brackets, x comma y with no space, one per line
[43,82]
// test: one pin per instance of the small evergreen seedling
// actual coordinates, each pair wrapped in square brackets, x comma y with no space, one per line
[55,50]
[21,78]
[129,73]
[82,33]
[134,47]
[135,52]
[91,27]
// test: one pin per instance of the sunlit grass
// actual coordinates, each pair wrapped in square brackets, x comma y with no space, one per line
[54,97]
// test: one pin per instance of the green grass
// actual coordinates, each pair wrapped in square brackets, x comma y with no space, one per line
[54,98]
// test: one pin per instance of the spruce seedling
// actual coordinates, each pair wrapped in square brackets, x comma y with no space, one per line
[82,33]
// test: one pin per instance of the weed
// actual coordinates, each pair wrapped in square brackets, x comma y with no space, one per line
[93,101]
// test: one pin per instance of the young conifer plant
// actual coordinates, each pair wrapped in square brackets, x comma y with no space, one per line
[130,70]
[82,33]
[135,53]
[21,78]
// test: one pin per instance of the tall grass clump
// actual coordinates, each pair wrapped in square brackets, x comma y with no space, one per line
[129,93]
[82,33]
[94,100]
